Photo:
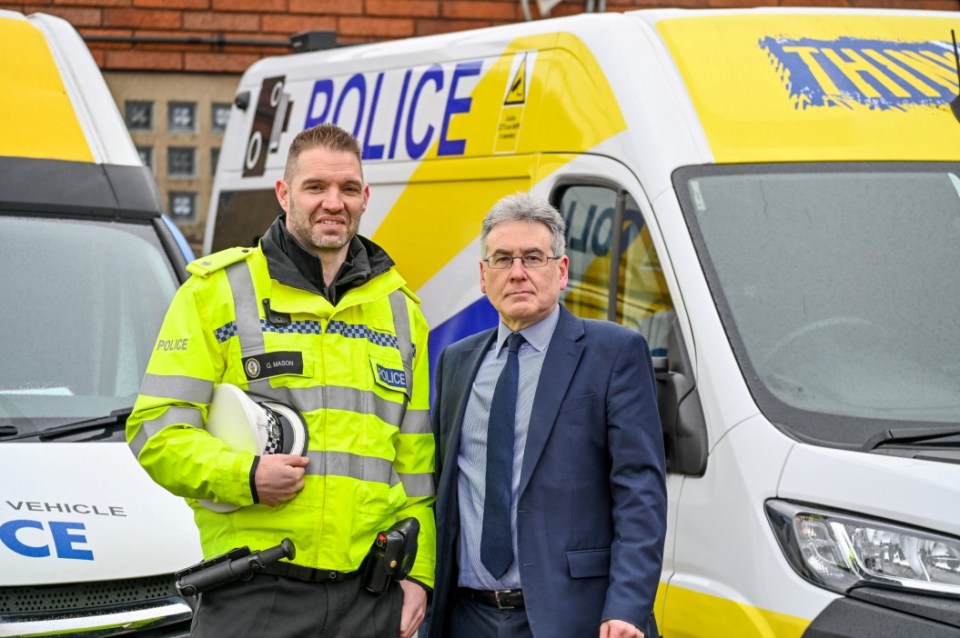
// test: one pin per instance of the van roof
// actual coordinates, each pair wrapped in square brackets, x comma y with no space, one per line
[64,149]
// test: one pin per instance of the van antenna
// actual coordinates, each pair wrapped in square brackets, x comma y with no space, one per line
[955,102]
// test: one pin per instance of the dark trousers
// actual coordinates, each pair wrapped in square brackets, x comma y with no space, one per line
[470,619]
[279,607]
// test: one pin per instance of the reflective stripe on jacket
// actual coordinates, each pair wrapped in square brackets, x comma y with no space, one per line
[357,371]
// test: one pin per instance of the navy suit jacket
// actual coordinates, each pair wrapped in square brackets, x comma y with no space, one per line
[591,513]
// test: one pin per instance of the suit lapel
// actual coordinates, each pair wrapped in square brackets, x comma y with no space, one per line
[466,365]
[563,356]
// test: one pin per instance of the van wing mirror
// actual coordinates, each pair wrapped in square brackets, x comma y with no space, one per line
[681,413]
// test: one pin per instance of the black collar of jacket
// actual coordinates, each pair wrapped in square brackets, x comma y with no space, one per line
[293,265]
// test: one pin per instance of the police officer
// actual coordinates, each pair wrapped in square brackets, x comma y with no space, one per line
[318,318]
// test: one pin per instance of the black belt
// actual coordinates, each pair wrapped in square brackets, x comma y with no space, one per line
[307,574]
[501,599]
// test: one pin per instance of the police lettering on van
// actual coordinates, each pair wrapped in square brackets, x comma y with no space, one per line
[397,114]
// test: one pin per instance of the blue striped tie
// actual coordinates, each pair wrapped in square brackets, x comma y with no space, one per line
[496,543]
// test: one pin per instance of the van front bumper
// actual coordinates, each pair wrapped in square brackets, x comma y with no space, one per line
[170,619]
[871,612]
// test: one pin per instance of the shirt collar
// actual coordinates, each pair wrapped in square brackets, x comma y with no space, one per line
[537,335]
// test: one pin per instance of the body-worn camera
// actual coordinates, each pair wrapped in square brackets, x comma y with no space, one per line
[391,556]
[237,564]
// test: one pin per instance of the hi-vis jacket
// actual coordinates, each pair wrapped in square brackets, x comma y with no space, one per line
[357,371]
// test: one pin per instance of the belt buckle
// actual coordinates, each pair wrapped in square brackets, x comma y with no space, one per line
[505,593]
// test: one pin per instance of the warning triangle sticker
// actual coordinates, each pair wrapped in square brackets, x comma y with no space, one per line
[518,85]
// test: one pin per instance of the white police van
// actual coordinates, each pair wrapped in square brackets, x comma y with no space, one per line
[88,265]
[771,196]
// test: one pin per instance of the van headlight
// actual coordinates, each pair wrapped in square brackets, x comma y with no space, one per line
[839,551]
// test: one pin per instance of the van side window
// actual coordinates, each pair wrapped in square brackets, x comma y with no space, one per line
[243,216]
[640,297]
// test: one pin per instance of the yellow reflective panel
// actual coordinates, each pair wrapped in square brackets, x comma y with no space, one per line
[521,106]
[833,86]
[38,118]
[691,614]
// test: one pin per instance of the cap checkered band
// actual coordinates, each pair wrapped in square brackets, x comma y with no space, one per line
[226,331]
[301,327]
[274,433]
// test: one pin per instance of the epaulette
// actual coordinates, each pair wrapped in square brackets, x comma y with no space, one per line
[204,266]
[410,294]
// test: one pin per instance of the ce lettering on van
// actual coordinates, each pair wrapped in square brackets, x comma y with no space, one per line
[44,539]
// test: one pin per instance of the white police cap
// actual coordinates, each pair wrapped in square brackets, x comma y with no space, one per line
[257,426]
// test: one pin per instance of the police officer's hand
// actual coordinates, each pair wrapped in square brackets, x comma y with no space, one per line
[414,608]
[279,477]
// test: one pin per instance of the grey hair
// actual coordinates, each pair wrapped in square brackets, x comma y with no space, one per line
[524,207]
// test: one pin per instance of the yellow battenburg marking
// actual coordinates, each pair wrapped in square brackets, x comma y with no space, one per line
[451,196]
[38,118]
[690,614]
[807,87]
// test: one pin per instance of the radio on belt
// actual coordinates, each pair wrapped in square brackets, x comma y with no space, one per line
[391,556]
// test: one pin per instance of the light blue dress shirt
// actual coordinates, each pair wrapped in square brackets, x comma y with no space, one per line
[472,456]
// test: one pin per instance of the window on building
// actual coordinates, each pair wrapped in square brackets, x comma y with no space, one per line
[219,114]
[182,117]
[181,161]
[138,115]
[214,160]
[146,156]
[183,205]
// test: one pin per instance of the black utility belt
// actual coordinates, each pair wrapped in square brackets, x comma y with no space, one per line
[391,557]
[307,574]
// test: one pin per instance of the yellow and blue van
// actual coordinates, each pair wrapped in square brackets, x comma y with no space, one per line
[88,264]
[771,196]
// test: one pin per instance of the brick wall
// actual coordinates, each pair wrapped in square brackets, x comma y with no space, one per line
[228,35]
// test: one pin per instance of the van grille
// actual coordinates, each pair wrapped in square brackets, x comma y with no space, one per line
[80,596]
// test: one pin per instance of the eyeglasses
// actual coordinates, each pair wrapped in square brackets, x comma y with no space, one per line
[529,260]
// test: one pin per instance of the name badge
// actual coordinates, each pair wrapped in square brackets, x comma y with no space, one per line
[272,364]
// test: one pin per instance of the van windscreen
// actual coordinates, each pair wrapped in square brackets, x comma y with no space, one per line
[838,286]
[83,302]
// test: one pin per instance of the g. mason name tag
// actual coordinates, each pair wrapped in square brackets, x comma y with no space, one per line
[271,364]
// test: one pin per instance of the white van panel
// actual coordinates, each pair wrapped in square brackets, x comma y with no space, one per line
[899,489]
[91,514]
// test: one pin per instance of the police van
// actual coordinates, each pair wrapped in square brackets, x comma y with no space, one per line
[771,196]
[88,265]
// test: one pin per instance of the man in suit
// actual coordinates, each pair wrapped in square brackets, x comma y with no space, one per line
[565,538]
